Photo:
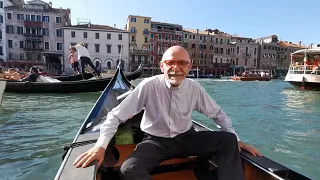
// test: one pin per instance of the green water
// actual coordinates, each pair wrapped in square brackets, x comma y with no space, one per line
[282,122]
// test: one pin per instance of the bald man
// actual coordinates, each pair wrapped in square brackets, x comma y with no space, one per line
[168,100]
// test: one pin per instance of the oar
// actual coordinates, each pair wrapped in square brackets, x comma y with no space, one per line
[89,69]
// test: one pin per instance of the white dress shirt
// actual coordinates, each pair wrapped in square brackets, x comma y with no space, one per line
[82,51]
[167,109]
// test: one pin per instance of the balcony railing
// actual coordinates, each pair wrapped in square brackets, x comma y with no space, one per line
[140,51]
[32,24]
[37,36]
[33,49]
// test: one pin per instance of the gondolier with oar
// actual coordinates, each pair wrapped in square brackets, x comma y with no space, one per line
[168,101]
[84,57]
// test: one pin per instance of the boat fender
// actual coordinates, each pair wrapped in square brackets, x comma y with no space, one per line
[28,85]
[76,144]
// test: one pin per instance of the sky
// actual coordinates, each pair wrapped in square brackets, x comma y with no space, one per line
[290,20]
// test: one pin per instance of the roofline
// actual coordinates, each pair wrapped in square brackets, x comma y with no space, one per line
[94,29]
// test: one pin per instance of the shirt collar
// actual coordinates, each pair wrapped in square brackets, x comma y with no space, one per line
[170,86]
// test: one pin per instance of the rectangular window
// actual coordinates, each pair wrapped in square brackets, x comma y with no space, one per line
[59,32]
[20,17]
[146,21]
[133,19]
[9,16]
[21,44]
[59,46]
[109,36]
[119,48]
[10,45]
[28,17]
[97,35]
[45,18]
[97,47]
[108,48]
[33,17]
[38,18]
[1,4]
[58,20]
[19,30]
[45,31]
[46,45]
[73,34]
[120,37]
[85,35]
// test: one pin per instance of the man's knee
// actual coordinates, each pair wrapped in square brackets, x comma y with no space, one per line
[230,139]
[128,170]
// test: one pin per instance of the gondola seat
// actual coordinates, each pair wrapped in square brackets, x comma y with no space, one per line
[176,175]
[125,150]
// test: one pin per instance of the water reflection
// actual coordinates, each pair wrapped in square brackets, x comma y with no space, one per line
[301,100]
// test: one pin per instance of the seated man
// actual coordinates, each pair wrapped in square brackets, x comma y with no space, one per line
[12,75]
[34,75]
[168,101]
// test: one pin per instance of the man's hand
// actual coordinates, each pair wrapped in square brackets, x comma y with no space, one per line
[252,150]
[95,153]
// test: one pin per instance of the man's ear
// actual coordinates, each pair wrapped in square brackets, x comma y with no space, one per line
[161,67]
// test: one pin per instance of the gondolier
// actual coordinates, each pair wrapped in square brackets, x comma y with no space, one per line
[168,101]
[84,57]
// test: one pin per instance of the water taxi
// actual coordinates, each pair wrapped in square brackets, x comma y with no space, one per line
[304,71]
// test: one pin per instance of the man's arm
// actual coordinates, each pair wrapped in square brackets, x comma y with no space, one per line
[206,105]
[129,107]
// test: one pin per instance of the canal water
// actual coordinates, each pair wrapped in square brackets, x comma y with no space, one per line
[283,123]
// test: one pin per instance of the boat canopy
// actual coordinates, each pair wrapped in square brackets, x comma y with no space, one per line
[307,51]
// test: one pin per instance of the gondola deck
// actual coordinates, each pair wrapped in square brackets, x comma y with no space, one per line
[255,168]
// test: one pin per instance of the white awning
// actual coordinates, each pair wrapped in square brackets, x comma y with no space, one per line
[308,51]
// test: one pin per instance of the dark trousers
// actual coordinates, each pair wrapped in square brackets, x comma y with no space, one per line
[153,150]
[75,66]
[87,61]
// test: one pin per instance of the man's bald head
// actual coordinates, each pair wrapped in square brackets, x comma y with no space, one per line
[176,53]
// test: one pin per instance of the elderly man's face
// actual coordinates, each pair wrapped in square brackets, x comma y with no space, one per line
[175,65]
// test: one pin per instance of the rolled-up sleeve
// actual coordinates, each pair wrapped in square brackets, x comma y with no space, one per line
[206,105]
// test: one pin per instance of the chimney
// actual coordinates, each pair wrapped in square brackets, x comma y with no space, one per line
[197,31]
[89,24]
[299,43]
[50,4]
[114,26]
[311,44]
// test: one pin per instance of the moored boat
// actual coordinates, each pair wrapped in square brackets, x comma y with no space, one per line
[251,78]
[191,168]
[303,73]
[93,85]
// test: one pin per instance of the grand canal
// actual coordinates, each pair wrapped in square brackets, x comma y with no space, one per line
[282,122]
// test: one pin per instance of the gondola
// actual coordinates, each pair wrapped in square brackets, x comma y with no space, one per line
[93,85]
[189,168]
[77,77]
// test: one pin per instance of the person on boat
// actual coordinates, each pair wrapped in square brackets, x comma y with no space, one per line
[84,57]
[2,74]
[74,60]
[34,75]
[12,75]
[168,101]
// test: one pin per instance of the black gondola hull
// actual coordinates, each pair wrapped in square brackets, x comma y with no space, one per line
[66,86]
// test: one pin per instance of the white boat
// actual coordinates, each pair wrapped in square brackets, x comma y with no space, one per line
[2,87]
[305,74]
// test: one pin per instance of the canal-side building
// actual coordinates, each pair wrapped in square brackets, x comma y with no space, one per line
[107,45]
[162,36]
[275,54]
[34,35]
[139,33]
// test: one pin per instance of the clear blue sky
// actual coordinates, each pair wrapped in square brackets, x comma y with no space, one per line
[291,20]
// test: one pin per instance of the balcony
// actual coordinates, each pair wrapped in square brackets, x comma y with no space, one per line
[33,36]
[32,24]
[31,49]
[139,52]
